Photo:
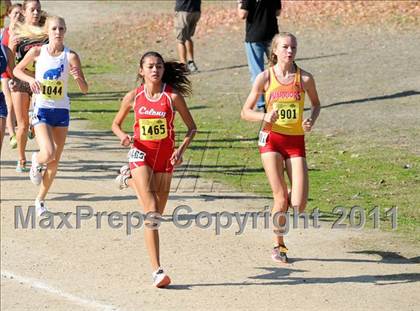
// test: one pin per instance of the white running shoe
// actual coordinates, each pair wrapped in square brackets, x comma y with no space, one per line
[192,67]
[121,179]
[40,207]
[279,254]
[160,279]
[35,173]
[125,170]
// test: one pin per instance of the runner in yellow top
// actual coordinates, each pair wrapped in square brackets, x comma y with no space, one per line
[26,35]
[288,100]
[4,7]
[281,140]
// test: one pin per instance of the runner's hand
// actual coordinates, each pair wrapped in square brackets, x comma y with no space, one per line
[271,116]
[14,40]
[176,158]
[307,124]
[126,140]
[35,86]
[12,85]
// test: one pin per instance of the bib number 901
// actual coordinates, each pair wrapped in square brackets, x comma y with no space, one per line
[288,113]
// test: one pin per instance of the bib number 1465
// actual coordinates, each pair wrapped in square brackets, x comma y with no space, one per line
[153,129]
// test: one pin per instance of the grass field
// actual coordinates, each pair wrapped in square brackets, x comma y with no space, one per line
[345,170]
[341,174]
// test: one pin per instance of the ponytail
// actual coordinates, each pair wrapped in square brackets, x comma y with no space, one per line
[22,30]
[176,76]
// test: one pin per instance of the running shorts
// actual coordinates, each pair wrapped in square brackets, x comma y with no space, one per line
[55,117]
[288,146]
[3,107]
[22,86]
[157,159]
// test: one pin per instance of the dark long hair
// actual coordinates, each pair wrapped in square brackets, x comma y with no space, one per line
[175,74]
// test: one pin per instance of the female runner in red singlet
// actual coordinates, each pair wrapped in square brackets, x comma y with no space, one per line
[13,13]
[281,140]
[153,155]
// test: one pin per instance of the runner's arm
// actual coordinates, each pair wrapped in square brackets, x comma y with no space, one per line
[258,88]
[310,88]
[19,71]
[13,43]
[10,61]
[181,107]
[120,117]
[77,72]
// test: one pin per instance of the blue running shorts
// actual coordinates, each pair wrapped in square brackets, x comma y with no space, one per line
[55,117]
[3,107]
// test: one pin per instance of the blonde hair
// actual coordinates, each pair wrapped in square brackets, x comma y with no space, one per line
[273,57]
[51,18]
[22,31]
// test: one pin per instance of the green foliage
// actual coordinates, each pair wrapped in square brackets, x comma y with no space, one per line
[343,171]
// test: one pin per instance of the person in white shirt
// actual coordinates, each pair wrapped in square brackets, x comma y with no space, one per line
[54,62]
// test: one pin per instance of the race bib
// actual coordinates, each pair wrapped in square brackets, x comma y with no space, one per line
[153,129]
[262,138]
[52,89]
[288,113]
[135,155]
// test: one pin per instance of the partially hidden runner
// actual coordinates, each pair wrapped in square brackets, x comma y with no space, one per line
[13,13]
[6,65]
[27,33]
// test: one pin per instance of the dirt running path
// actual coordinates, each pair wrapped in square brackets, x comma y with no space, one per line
[90,268]
[106,269]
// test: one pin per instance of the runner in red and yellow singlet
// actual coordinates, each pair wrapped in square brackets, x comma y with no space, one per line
[286,134]
[281,140]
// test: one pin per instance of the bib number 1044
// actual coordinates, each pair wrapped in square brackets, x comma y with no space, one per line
[52,89]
